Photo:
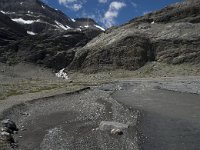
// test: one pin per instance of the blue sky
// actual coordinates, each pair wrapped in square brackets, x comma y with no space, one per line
[108,12]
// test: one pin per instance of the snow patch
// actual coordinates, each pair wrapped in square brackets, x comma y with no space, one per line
[99,27]
[29,12]
[152,22]
[87,26]
[21,3]
[22,21]
[78,29]
[62,74]
[3,12]
[43,7]
[60,25]
[7,12]
[31,33]
[73,20]
[67,35]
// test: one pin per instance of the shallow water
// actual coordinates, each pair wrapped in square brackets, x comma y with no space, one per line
[169,120]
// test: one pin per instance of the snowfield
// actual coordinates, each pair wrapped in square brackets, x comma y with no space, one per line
[60,25]
[31,33]
[22,21]
[99,27]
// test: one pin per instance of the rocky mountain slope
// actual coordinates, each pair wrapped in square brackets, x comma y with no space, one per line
[9,30]
[51,50]
[171,35]
[37,17]
[33,32]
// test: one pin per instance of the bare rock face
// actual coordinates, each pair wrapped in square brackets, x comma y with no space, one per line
[129,52]
[9,30]
[51,50]
[171,35]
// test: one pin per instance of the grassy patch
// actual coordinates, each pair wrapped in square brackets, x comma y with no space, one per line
[31,86]
[25,87]
[13,92]
[81,80]
[4,145]
[153,70]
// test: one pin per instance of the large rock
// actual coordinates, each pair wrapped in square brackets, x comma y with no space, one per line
[5,136]
[110,125]
[9,126]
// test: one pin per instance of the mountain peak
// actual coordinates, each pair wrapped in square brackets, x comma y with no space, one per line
[37,17]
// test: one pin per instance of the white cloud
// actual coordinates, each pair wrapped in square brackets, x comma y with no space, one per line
[74,5]
[84,14]
[117,5]
[66,1]
[103,1]
[112,13]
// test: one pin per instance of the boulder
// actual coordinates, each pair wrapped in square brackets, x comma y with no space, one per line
[110,125]
[7,137]
[9,126]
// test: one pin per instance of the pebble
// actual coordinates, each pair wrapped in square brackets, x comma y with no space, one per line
[116,132]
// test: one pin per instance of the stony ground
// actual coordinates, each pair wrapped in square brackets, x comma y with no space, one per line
[52,118]
[71,121]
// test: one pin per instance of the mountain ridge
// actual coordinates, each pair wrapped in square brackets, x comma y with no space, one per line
[169,35]
[37,17]
[37,33]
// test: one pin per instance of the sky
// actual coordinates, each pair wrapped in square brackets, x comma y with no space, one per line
[108,13]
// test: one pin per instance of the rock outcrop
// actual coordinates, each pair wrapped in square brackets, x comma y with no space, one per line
[171,35]
[6,134]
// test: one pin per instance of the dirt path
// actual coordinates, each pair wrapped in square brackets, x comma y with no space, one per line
[170,120]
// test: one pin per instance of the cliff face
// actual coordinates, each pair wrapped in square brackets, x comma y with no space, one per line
[171,35]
